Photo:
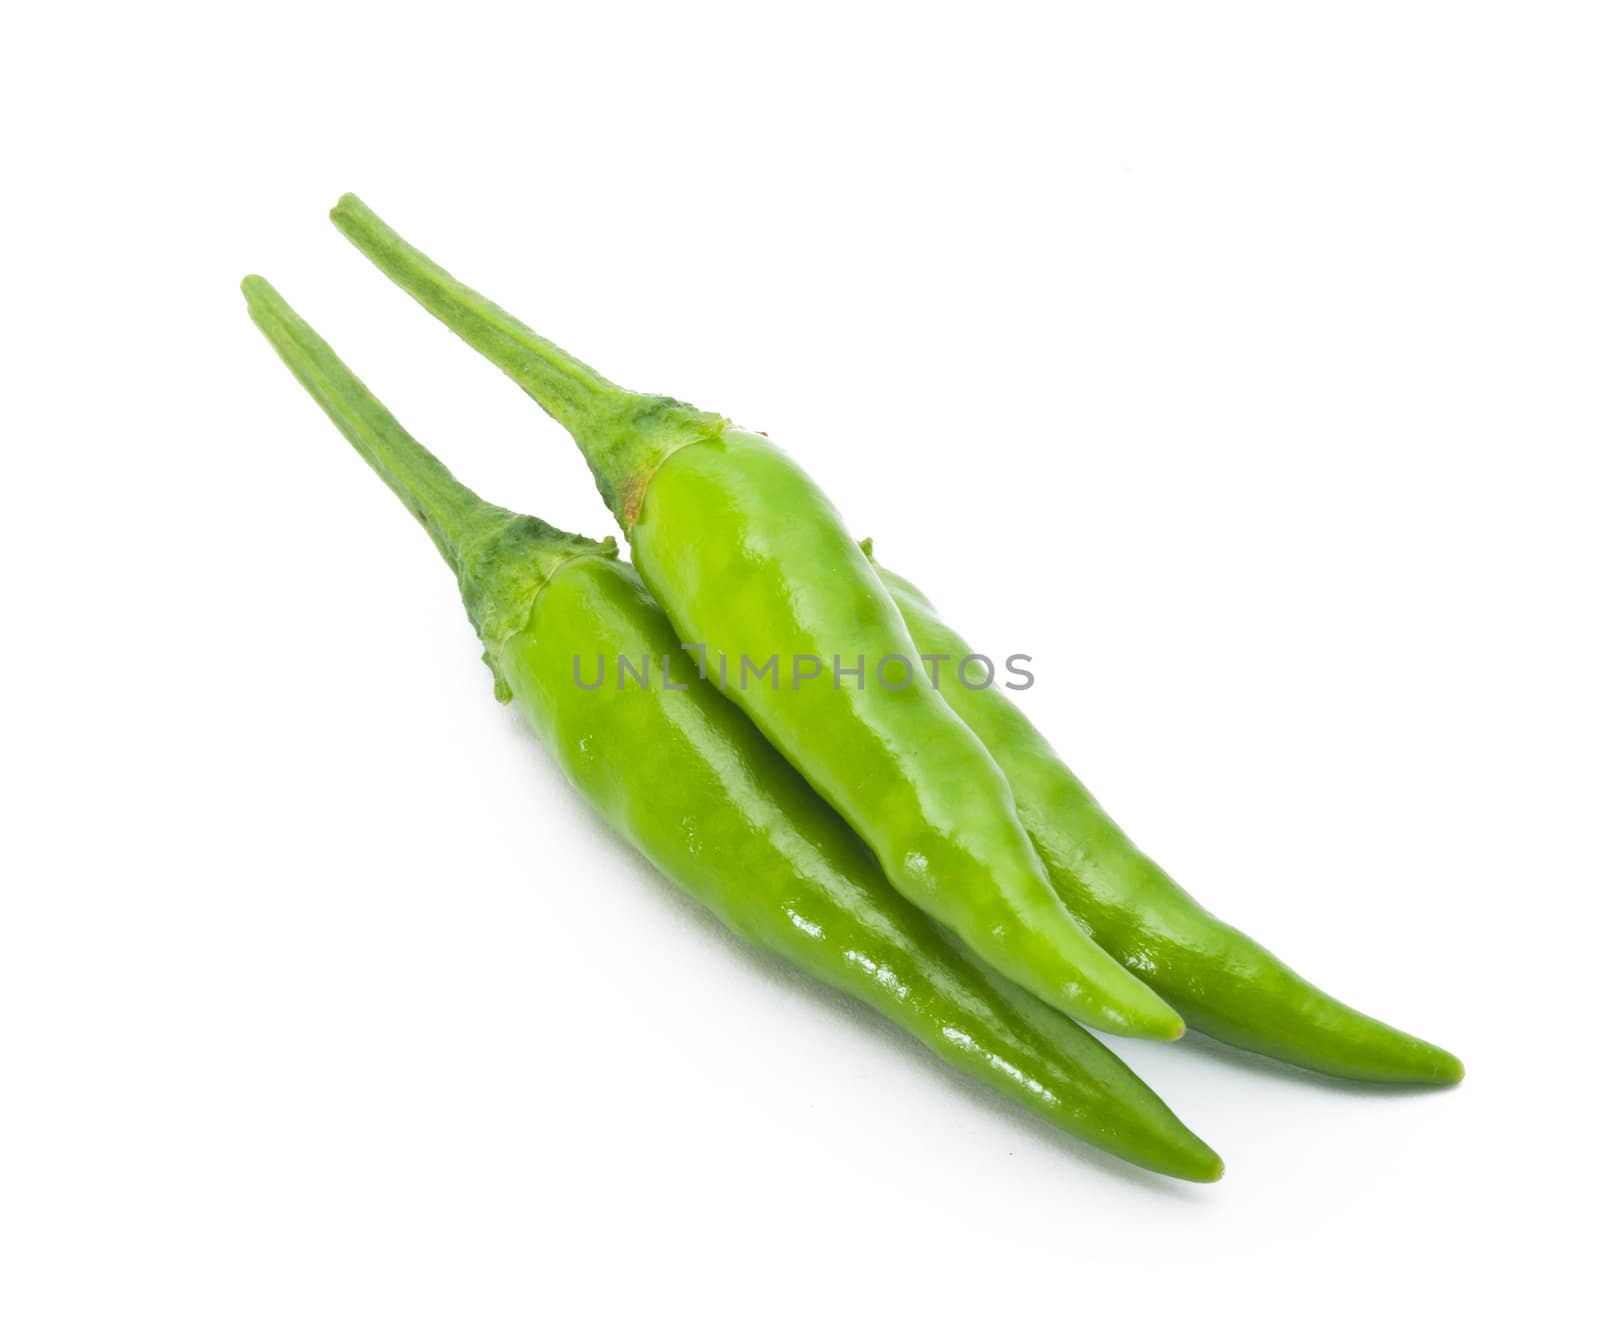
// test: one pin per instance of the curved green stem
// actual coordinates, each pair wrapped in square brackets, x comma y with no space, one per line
[624,436]
[571,392]
[450,511]
[501,560]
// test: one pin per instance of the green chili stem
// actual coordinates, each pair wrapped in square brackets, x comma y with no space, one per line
[571,392]
[624,436]
[449,510]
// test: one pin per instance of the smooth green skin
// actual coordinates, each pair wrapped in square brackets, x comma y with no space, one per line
[749,559]
[692,784]
[1221,981]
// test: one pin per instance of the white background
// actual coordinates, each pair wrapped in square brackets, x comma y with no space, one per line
[1236,361]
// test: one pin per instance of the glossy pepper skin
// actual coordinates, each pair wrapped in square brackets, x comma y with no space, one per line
[1221,981]
[691,783]
[750,561]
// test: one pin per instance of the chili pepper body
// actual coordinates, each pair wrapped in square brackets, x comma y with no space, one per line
[1221,981]
[691,783]
[749,560]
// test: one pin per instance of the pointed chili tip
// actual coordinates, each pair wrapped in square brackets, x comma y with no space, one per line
[1200,1164]
[1430,1065]
[1158,1024]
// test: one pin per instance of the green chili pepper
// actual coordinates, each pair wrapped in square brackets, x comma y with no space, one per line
[753,565]
[692,784]
[1221,981]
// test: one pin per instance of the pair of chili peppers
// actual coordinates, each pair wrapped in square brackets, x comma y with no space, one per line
[840,828]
